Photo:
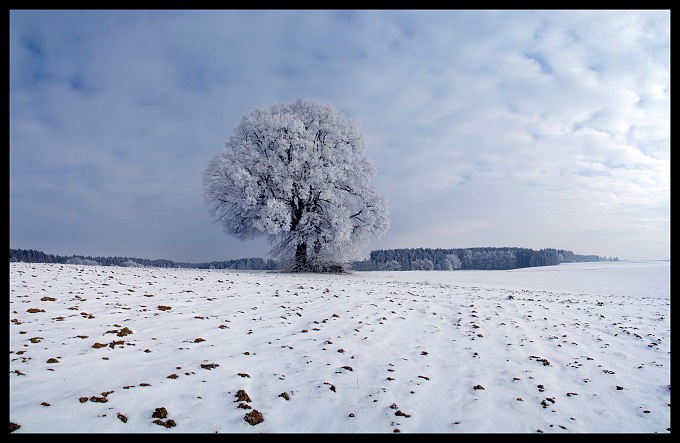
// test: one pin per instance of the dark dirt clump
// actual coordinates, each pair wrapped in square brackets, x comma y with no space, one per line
[209,366]
[242,395]
[254,417]
[160,413]
[166,424]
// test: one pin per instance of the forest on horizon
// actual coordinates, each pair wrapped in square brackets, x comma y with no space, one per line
[413,259]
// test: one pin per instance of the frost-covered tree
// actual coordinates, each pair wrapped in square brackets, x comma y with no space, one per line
[391,265]
[131,264]
[454,261]
[422,264]
[298,174]
[81,261]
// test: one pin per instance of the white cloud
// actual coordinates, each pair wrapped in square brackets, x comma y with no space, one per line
[507,114]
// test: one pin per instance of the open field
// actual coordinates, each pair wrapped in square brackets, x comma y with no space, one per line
[563,349]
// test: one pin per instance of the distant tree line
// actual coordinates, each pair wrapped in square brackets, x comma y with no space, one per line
[416,259]
[33,256]
[258,264]
[427,259]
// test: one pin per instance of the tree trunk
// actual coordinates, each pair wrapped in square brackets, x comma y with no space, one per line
[301,257]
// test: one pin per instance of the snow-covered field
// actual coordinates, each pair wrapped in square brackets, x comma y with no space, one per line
[563,349]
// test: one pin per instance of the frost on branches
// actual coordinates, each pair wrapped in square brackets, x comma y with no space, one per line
[298,174]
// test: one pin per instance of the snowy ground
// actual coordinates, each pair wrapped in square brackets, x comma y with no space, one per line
[572,348]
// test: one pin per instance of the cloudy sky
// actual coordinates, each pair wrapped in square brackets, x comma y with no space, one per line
[537,129]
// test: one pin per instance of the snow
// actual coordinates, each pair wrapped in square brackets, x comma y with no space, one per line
[572,348]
